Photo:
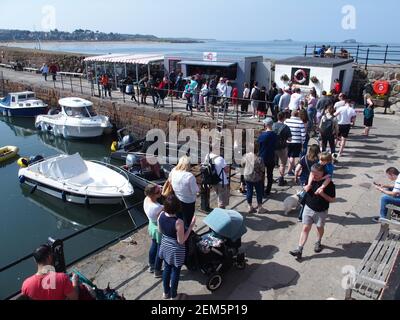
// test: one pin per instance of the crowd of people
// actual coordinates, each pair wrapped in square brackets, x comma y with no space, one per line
[284,144]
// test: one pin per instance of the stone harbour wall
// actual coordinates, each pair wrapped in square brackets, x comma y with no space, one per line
[390,73]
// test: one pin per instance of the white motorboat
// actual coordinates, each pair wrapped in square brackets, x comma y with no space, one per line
[22,104]
[76,119]
[75,180]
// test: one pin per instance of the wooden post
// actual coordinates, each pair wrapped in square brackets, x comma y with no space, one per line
[305,51]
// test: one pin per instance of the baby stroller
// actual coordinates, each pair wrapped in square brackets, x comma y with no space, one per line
[217,251]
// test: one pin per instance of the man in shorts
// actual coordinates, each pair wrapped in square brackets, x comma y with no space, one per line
[316,208]
[284,136]
[345,117]
[295,146]
[222,189]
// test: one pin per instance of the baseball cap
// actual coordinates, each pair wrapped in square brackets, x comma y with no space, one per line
[268,122]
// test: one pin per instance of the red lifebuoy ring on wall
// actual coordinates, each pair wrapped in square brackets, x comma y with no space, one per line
[381,87]
[303,76]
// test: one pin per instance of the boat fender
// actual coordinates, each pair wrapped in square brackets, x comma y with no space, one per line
[39,127]
[87,202]
[23,162]
[21,179]
[64,196]
[34,189]
[114,146]
[49,128]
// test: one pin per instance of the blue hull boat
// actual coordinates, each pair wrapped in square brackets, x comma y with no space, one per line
[31,112]
[22,104]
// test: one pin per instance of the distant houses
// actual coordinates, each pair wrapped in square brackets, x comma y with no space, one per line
[80,35]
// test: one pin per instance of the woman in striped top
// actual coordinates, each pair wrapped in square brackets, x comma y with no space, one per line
[172,249]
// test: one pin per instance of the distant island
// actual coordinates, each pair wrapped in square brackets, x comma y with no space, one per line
[351,41]
[285,40]
[83,35]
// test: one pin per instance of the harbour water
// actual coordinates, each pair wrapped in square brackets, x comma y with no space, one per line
[27,220]
[268,49]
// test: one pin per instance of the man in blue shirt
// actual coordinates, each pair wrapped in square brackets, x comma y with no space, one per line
[267,142]
[275,104]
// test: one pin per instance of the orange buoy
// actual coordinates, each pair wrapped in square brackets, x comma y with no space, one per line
[381,87]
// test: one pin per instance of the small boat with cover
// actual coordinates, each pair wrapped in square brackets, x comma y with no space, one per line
[75,180]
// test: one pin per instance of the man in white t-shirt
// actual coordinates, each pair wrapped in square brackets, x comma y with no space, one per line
[341,102]
[295,100]
[221,88]
[222,189]
[345,117]
[390,193]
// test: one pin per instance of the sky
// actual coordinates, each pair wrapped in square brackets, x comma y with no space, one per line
[252,20]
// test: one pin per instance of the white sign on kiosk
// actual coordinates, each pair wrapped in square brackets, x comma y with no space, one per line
[210,56]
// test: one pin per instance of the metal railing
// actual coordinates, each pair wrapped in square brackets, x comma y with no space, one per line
[76,234]
[173,97]
[362,54]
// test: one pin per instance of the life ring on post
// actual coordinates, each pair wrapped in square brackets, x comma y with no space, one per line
[381,87]
[303,78]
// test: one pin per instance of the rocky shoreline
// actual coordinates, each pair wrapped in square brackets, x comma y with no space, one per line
[69,62]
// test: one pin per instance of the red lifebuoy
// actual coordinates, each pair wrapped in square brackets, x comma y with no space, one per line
[381,87]
[303,76]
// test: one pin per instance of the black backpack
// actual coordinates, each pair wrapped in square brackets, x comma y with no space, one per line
[209,173]
[256,94]
[327,128]
[281,139]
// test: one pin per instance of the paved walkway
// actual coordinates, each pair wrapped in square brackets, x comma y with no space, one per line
[271,272]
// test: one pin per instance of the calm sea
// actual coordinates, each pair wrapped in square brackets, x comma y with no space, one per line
[268,49]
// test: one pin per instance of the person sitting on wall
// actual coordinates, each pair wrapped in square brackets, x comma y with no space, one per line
[344,54]
[320,52]
[329,53]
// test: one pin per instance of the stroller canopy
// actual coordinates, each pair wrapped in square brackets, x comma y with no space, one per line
[227,223]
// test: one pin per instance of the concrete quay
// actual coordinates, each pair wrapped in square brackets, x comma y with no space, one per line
[271,273]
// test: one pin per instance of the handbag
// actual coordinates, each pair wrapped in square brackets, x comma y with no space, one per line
[167,189]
